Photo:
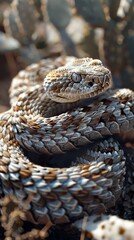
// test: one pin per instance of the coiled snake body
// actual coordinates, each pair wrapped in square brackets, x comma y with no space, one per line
[54,118]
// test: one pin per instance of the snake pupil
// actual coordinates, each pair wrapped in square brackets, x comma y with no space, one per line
[76,77]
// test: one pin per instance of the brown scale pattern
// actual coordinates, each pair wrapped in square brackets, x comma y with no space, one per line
[64,194]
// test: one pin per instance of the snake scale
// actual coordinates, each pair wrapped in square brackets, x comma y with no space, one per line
[73,111]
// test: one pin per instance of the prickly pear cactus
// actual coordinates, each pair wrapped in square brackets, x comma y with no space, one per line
[114,19]
[39,5]
[20,21]
[112,46]
[11,26]
[59,13]
[26,16]
[92,12]
[128,32]
[113,8]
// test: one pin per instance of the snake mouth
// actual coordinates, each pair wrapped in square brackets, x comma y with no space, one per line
[62,98]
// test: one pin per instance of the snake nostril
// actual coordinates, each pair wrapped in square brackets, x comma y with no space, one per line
[90,84]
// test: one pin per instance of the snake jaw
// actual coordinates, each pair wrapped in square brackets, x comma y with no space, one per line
[61,98]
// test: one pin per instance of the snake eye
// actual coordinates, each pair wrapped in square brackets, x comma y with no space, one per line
[76,77]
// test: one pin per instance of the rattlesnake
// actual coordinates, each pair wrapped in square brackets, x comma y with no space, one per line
[72,111]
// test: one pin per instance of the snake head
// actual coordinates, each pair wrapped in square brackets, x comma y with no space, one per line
[80,79]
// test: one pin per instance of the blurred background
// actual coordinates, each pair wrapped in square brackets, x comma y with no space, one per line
[31,30]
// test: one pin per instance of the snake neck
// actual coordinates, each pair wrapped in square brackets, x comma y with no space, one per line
[36,102]
[36,118]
